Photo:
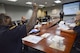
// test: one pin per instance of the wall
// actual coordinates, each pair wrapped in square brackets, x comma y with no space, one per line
[16,12]
[2,9]
[40,13]
[55,10]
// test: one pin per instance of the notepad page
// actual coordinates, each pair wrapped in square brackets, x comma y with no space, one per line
[33,39]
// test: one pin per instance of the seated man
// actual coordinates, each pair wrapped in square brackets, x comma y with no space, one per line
[76,30]
[23,20]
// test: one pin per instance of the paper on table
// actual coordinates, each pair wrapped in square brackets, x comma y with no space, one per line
[56,44]
[53,45]
[32,38]
[45,35]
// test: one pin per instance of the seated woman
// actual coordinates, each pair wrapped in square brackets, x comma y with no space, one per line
[76,30]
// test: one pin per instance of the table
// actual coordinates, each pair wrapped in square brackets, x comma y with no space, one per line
[43,45]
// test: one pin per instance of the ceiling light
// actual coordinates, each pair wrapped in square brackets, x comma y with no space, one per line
[12,0]
[28,2]
[57,1]
[41,5]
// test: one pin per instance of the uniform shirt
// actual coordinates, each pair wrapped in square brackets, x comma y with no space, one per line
[10,40]
[23,22]
[77,40]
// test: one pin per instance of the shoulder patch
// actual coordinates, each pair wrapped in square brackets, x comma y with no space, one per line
[12,27]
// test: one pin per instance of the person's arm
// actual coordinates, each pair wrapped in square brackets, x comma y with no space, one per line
[33,18]
[68,31]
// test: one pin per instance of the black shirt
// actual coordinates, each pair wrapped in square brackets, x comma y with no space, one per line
[10,40]
[77,40]
[77,30]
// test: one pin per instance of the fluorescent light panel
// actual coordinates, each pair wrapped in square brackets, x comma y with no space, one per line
[42,5]
[57,1]
[28,2]
[12,0]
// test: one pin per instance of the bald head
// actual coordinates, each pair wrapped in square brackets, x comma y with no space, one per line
[23,18]
[78,15]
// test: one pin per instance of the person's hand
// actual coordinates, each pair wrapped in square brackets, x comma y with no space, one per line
[62,29]
[35,6]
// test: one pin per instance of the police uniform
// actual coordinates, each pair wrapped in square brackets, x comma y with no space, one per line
[22,22]
[10,38]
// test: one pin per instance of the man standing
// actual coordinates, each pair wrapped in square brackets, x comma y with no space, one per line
[61,15]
